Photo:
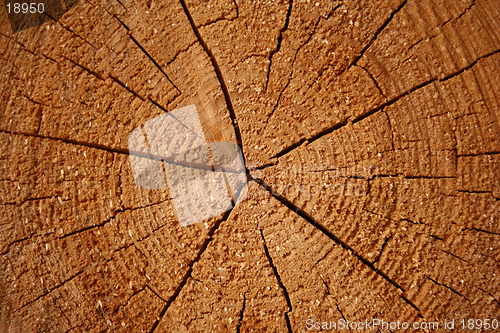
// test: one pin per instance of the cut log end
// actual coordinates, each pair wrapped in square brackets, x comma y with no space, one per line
[336,166]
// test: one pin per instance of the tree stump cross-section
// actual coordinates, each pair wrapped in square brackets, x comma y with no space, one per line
[370,135]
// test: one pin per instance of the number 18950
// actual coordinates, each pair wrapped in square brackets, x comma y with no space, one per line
[479,323]
[25,8]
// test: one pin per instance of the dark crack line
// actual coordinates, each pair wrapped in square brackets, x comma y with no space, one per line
[280,40]
[71,31]
[416,223]
[51,290]
[237,9]
[465,11]
[324,256]
[154,292]
[8,247]
[293,63]
[484,291]
[223,18]
[73,142]
[24,48]
[134,293]
[150,57]
[176,119]
[336,300]
[291,74]
[491,153]
[122,5]
[454,255]
[377,33]
[219,75]
[120,21]
[242,313]
[136,94]
[440,26]
[166,159]
[262,167]
[280,282]
[179,53]
[24,201]
[375,82]
[386,240]
[447,287]
[311,139]
[380,107]
[115,215]
[186,277]
[34,102]
[332,236]
[97,75]
[154,62]
[436,237]
[482,230]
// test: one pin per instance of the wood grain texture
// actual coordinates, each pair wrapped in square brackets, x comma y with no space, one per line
[371,136]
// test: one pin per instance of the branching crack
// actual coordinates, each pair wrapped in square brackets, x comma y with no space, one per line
[330,235]
[291,74]
[381,107]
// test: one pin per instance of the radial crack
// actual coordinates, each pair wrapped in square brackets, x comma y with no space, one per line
[291,74]
[186,277]
[333,237]
[380,107]
[136,94]
[242,313]
[51,290]
[154,62]
[280,282]
[447,287]
[167,159]
[377,33]
[280,39]
[220,77]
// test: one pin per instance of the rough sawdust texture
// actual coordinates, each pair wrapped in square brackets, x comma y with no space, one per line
[371,133]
